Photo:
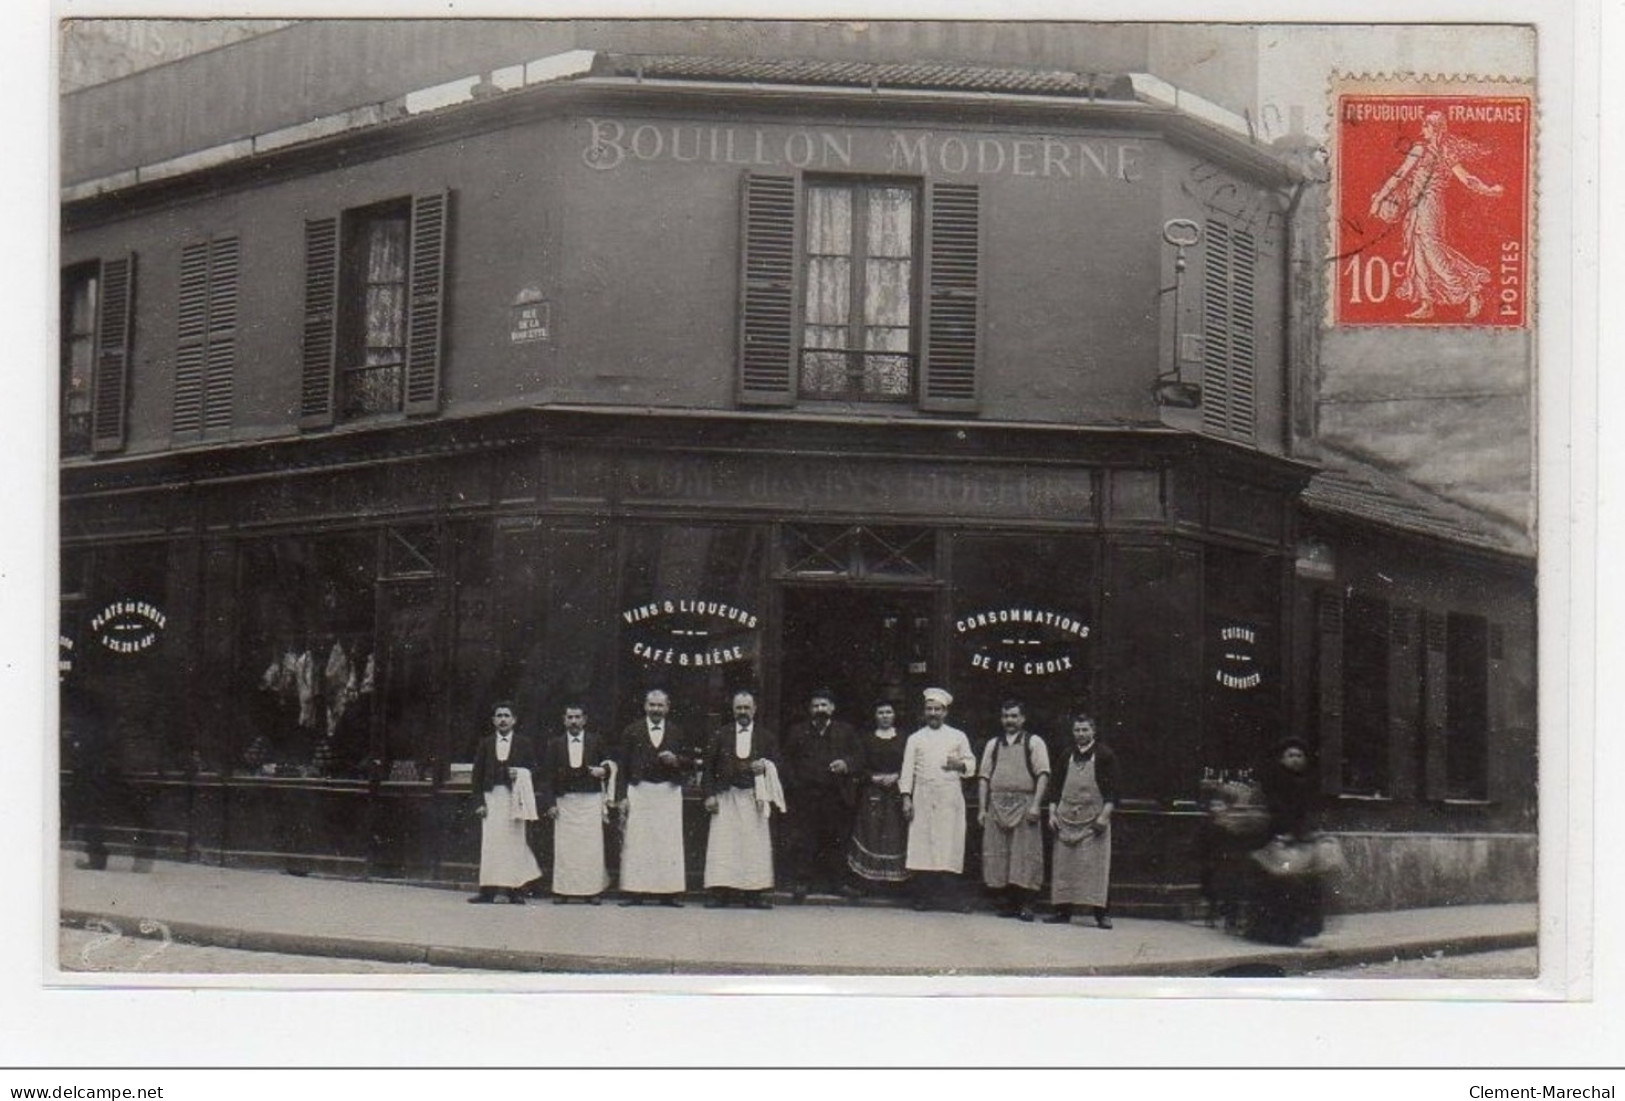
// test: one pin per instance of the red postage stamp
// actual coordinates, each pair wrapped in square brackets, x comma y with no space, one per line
[1432,199]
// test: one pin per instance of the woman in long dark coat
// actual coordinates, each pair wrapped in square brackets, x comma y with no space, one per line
[1287,908]
[879,839]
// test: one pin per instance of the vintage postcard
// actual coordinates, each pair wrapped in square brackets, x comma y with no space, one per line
[916,506]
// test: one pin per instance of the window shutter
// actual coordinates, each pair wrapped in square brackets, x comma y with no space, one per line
[1404,699]
[1496,677]
[114,329]
[426,323]
[1435,701]
[191,342]
[953,299]
[1229,347]
[225,255]
[321,301]
[767,290]
[206,338]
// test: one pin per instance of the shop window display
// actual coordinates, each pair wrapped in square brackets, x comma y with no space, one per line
[308,634]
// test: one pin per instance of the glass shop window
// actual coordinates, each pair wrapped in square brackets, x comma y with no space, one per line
[308,655]
[1023,626]
[691,618]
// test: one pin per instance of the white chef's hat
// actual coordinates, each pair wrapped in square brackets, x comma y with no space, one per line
[938,695]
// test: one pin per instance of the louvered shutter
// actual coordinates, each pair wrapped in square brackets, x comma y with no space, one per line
[767,290]
[191,341]
[206,338]
[1496,676]
[225,255]
[426,321]
[1404,698]
[1435,702]
[318,350]
[949,357]
[114,329]
[1229,339]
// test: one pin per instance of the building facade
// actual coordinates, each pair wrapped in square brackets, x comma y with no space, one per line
[616,371]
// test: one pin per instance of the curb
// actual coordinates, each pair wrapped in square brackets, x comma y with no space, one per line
[1260,963]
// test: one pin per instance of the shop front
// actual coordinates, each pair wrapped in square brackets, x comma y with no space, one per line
[326,642]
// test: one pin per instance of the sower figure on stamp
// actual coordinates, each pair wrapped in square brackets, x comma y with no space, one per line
[936,761]
[506,804]
[742,778]
[1014,777]
[578,791]
[1081,817]
[654,761]
[820,761]
[1435,271]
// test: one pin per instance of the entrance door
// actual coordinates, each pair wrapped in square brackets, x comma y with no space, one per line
[863,644]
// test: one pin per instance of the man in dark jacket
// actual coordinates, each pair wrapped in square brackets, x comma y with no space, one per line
[655,758]
[576,768]
[741,772]
[821,758]
[505,800]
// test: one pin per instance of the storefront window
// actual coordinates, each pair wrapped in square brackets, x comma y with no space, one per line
[1023,627]
[691,616]
[308,647]
[120,653]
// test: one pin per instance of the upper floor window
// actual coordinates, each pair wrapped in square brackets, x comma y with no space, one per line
[374,297]
[372,318]
[80,284]
[860,289]
[96,331]
[858,337]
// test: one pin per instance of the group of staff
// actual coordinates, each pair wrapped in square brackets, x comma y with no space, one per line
[860,809]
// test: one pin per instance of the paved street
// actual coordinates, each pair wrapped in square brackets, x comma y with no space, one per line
[404,927]
[97,950]
[1512,963]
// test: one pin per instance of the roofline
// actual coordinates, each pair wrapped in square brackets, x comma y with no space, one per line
[486,98]
[1466,545]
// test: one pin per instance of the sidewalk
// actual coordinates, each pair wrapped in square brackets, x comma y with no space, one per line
[270,912]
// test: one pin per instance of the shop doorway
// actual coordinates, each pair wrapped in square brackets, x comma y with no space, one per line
[864,644]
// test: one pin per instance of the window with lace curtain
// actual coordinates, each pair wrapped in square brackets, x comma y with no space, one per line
[858,335]
[374,359]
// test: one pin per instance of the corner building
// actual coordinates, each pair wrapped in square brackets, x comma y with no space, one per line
[614,371]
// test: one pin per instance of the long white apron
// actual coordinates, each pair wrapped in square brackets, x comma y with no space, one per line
[652,852]
[936,833]
[739,852]
[578,845]
[505,856]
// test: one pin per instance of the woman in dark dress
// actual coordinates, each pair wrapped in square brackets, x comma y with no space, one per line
[1287,907]
[880,833]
